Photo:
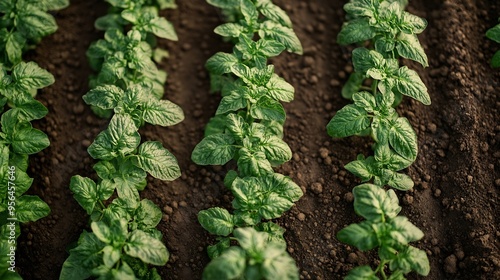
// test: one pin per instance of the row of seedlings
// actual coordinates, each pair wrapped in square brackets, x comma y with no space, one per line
[248,128]
[376,88]
[23,24]
[123,242]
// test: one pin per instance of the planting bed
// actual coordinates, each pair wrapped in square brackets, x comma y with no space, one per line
[457,172]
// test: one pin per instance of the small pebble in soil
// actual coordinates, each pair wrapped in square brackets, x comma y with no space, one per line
[352,258]
[301,217]
[437,193]
[86,143]
[317,188]
[450,264]
[349,197]
[470,179]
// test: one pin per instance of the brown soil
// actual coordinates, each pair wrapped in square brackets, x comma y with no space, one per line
[457,174]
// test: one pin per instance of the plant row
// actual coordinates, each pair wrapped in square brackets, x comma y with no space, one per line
[22,25]
[248,128]
[376,87]
[128,86]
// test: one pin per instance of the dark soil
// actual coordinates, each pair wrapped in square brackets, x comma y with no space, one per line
[457,173]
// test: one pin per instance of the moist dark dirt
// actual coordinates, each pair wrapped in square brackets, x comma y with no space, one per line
[457,173]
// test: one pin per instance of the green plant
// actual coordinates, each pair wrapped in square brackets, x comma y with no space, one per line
[248,128]
[124,241]
[22,25]
[494,34]
[258,256]
[392,33]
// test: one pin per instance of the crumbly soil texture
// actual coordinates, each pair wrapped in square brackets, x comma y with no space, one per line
[455,200]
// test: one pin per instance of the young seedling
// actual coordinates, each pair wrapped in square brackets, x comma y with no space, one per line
[124,241]
[248,128]
[494,34]
[392,34]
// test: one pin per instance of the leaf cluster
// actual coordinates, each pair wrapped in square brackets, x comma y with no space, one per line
[126,58]
[258,256]
[248,128]
[392,33]
[24,23]
[385,230]
[494,34]
[124,241]
[28,208]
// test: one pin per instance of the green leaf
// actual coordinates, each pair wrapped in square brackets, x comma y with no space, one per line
[216,149]
[348,121]
[361,8]
[279,89]
[249,11]
[31,110]
[361,168]
[276,150]
[86,255]
[411,259]
[231,103]
[229,265]
[119,139]
[237,126]
[283,35]
[355,31]
[253,163]
[364,60]
[157,161]
[409,47]
[30,208]
[494,33]
[85,192]
[275,13]
[270,195]
[278,264]
[111,256]
[495,61]
[224,4]
[232,30]
[31,76]
[268,109]
[413,24]
[27,140]
[403,231]
[409,83]
[147,215]
[162,28]
[148,249]
[361,235]
[217,221]
[250,239]
[401,182]
[274,231]
[374,204]
[365,100]
[353,85]
[35,23]
[162,112]
[105,97]
[403,139]
[216,250]
[221,63]
[14,45]
[362,273]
